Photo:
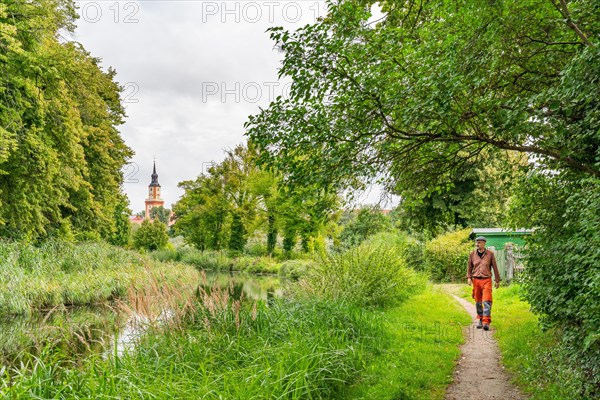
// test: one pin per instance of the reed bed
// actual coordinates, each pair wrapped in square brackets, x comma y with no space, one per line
[56,273]
[216,344]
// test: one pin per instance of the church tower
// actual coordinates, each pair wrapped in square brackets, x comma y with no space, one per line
[154,199]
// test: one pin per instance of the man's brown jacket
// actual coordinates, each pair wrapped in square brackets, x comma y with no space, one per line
[482,267]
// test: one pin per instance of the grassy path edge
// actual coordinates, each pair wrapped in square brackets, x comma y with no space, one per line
[421,350]
[531,357]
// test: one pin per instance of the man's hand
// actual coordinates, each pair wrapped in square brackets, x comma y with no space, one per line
[497,284]
[469,281]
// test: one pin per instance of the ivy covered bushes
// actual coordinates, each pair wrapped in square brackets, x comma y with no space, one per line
[562,280]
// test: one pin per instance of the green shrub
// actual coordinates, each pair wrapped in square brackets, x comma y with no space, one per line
[446,256]
[409,248]
[369,275]
[413,253]
[209,260]
[295,269]
[151,235]
[265,265]
[167,255]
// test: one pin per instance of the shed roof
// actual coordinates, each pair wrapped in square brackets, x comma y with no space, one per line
[501,231]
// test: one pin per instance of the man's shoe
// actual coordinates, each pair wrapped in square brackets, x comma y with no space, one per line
[486,327]
[479,324]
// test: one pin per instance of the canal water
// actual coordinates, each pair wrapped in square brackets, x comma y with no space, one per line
[84,330]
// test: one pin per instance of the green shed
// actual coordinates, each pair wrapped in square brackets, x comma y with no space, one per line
[509,258]
[498,237]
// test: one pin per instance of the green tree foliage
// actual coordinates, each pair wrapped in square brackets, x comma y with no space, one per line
[122,233]
[236,198]
[237,235]
[432,83]
[430,94]
[60,151]
[368,221]
[204,211]
[562,280]
[304,213]
[201,212]
[477,193]
[151,235]
[160,213]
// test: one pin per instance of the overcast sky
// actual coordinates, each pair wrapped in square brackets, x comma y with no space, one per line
[193,71]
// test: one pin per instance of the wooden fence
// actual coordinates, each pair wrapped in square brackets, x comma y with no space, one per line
[510,262]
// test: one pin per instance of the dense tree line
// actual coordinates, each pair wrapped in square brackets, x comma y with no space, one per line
[60,151]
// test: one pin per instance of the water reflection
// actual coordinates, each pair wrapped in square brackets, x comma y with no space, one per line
[77,332]
[73,331]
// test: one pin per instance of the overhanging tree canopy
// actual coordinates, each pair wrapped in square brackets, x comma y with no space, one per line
[435,82]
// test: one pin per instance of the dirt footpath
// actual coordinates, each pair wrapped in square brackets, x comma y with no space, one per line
[479,374]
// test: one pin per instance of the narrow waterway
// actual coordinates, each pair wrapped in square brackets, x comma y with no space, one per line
[81,331]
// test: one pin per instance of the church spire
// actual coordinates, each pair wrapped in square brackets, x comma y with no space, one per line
[154,177]
[154,199]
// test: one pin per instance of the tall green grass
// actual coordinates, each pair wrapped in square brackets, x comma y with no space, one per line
[76,332]
[59,273]
[227,350]
[371,274]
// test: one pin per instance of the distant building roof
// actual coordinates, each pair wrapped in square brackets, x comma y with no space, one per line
[501,231]
[136,219]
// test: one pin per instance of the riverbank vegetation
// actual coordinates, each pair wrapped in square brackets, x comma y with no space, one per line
[58,273]
[218,344]
[286,348]
[210,260]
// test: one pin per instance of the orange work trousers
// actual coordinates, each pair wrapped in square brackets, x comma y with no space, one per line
[482,293]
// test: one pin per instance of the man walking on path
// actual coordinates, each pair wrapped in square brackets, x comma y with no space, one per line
[479,275]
